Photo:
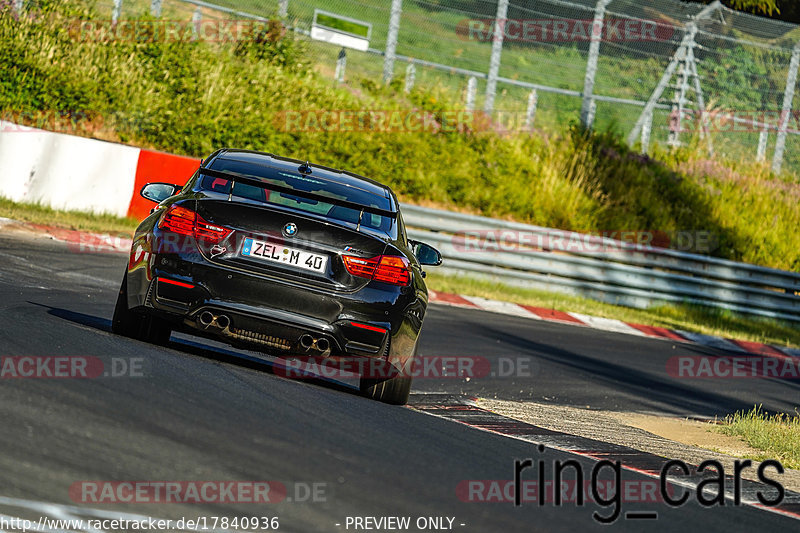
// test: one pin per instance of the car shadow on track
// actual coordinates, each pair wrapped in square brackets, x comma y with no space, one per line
[207,349]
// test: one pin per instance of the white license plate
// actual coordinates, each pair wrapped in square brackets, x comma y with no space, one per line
[277,253]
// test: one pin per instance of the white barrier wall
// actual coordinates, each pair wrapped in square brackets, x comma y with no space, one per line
[65,171]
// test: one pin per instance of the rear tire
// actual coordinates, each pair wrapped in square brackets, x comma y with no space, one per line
[394,390]
[136,325]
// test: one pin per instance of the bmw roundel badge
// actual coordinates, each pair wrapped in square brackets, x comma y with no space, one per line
[290,229]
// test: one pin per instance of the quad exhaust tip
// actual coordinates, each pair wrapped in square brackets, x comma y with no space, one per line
[307,342]
[208,319]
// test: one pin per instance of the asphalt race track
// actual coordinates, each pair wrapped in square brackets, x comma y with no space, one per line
[583,367]
[196,410]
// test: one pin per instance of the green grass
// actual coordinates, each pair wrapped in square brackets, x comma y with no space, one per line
[686,317]
[347,26]
[38,214]
[194,97]
[778,436]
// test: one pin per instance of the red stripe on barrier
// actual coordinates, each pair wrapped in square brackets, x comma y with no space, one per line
[655,331]
[158,166]
[552,314]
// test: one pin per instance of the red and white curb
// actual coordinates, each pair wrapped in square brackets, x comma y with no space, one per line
[613,325]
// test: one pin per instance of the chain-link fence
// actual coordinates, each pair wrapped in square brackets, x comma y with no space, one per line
[665,72]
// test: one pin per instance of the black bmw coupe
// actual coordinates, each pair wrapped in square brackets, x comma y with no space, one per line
[282,256]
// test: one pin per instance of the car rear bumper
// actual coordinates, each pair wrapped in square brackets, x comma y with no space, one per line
[252,310]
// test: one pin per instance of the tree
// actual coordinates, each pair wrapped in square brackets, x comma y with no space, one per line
[786,10]
[767,7]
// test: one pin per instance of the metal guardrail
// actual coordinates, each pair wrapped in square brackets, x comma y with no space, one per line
[600,268]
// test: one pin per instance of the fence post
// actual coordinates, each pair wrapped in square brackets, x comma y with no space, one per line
[762,143]
[705,131]
[497,51]
[592,111]
[391,40]
[341,65]
[587,117]
[788,95]
[472,88]
[647,127]
[283,8]
[530,114]
[411,76]
[197,18]
[155,8]
[116,11]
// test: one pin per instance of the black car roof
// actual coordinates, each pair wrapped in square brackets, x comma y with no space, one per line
[293,165]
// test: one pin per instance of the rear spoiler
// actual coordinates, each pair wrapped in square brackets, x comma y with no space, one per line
[258,182]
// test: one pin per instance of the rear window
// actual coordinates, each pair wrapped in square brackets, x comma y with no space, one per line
[304,183]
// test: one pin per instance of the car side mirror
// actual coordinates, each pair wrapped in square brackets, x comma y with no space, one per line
[158,192]
[426,254]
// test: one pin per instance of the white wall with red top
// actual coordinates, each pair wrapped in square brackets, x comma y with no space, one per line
[74,173]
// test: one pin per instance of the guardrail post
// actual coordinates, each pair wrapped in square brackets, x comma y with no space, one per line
[197,18]
[472,88]
[530,114]
[391,40]
[587,116]
[116,12]
[155,8]
[341,65]
[497,51]
[788,96]
[762,143]
[283,8]
[411,76]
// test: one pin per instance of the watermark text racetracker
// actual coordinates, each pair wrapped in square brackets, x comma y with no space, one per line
[398,121]
[734,120]
[558,30]
[733,367]
[197,492]
[421,367]
[544,239]
[176,31]
[70,367]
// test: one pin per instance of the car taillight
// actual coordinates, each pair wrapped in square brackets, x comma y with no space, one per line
[179,220]
[184,221]
[359,266]
[209,232]
[386,268]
